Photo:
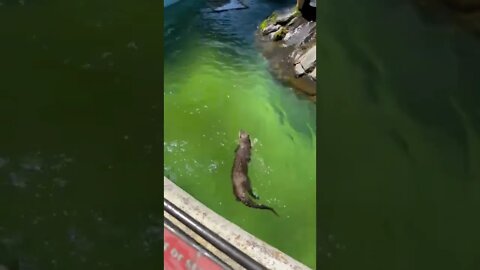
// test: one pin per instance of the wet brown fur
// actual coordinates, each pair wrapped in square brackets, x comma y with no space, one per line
[242,188]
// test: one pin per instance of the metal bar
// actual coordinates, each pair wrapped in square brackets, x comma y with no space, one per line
[218,242]
[195,244]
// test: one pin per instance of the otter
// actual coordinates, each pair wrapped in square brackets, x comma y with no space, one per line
[242,187]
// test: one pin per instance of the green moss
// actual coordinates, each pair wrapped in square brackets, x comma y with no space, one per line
[280,34]
[297,12]
[268,21]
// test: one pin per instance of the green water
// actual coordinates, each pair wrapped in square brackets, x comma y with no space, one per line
[80,159]
[217,83]
[399,146]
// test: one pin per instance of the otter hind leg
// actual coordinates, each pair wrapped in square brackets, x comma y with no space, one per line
[250,191]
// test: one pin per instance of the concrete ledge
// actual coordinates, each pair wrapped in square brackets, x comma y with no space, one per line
[260,251]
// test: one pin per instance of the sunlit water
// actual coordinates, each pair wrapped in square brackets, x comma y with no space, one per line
[399,148]
[217,83]
[80,169]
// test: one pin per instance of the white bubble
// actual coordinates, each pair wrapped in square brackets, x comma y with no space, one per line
[213,167]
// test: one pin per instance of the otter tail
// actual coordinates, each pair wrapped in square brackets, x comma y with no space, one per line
[248,202]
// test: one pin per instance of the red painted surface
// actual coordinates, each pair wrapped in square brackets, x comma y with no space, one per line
[179,255]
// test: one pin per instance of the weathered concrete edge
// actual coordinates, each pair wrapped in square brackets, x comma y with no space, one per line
[260,251]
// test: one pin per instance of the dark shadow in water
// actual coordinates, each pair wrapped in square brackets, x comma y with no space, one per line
[406,216]
[424,87]
[370,70]
[432,108]
[429,100]
[468,91]
[399,140]
[432,12]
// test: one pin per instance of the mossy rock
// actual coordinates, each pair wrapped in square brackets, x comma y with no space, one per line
[297,12]
[268,21]
[280,34]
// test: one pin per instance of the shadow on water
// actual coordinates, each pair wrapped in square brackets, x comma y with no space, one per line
[446,76]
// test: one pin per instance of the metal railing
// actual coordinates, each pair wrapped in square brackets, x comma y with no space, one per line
[184,236]
[235,246]
[215,240]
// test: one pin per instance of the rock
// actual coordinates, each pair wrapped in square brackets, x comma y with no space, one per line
[279,34]
[299,71]
[292,21]
[285,18]
[295,56]
[293,59]
[313,74]
[308,60]
[301,35]
[270,20]
[271,28]
[288,36]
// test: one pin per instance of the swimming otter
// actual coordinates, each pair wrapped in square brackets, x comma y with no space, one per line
[241,183]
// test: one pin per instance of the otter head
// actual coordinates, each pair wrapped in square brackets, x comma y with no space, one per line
[243,137]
